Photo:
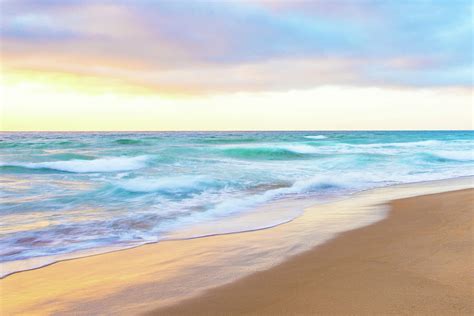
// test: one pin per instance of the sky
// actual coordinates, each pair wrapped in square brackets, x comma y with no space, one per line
[236,65]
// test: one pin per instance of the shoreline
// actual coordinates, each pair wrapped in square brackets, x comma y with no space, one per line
[150,270]
[54,259]
[418,260]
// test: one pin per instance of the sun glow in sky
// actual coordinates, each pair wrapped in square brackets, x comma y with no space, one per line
[236,65]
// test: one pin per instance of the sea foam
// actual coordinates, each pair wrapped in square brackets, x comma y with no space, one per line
[317,183]
[112,164]
[167,184]
[464,155]
[315,136]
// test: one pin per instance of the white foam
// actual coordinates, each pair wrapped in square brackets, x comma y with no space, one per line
[112,164]
[316,137]
[459,155]
[238,204]
[399,144]
[299,149]
[166,184]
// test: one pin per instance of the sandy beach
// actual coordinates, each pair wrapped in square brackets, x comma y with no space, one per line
[417,260]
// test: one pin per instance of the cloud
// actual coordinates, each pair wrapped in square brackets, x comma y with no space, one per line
[243,45]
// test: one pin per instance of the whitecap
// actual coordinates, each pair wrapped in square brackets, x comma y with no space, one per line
[299,149]
[315,136]
[112,164]
[459,155]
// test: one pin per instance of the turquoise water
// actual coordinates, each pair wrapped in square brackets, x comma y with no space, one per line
[69,192]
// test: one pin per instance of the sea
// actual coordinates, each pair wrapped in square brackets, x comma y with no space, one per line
[69,194]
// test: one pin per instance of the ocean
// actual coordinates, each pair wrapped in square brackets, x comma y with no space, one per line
[65,194]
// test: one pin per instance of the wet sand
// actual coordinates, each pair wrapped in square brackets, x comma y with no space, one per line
[419,260]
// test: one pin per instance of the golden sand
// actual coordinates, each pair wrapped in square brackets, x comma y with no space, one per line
[418,261]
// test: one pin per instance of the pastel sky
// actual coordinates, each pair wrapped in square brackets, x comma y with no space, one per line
[236,65]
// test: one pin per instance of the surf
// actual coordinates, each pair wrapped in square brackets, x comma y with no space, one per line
[112,164]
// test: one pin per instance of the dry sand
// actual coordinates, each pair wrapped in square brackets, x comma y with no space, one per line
[419,260]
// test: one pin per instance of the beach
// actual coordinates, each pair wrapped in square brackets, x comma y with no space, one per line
[416,260]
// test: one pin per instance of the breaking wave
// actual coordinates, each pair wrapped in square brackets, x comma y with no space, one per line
[467,155]
[112,164]
[178,184]
[270,152]
[316,137]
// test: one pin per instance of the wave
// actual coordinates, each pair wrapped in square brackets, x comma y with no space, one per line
[400,144]
[178,184]
[279,151]
[315,136]
[392,148]
[467,155]
[271,152]
[262,153]
[301,149]
[83,166]
[311,185]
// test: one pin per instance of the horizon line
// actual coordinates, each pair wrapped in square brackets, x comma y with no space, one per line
[235,131]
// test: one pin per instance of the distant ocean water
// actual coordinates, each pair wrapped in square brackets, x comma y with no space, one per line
[67,192]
